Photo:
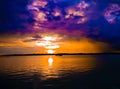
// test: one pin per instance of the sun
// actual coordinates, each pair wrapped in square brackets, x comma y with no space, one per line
[50,51]
[49,42]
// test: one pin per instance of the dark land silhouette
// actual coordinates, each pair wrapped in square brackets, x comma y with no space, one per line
[60,54]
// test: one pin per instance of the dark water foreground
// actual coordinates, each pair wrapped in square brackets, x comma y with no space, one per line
[60,72]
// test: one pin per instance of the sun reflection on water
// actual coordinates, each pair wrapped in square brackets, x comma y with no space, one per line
[46,66]
[50,61]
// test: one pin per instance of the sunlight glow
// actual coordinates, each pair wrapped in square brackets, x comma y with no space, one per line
[50,43]
[50,51]
[49,38]
[43,43]
[52,46]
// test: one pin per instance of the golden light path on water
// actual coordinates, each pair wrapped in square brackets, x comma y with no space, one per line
[50,61]
[46,66]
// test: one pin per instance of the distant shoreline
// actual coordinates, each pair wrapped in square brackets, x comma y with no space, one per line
[61,54]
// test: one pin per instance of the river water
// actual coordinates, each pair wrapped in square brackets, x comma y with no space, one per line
[60,72]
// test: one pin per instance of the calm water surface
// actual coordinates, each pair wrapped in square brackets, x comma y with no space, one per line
[60,72]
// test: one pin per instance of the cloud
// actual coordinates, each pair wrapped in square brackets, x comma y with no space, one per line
[51,15]
[17,44]
[83,46]
[72,20]
[112,13]
[14,16]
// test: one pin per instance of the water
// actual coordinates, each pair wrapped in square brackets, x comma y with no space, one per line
[60,72]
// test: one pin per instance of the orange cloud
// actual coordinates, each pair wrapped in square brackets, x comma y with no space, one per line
[82,46]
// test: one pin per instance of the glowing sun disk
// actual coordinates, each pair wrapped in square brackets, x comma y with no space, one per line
[50,51]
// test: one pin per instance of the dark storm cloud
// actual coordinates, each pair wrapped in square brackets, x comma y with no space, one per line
[14,15]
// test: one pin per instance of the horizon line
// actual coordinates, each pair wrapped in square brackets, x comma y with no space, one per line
[59,54]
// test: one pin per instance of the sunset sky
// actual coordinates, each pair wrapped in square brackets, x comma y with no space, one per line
[59,26]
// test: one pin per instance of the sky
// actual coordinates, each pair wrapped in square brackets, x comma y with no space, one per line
[59,26]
